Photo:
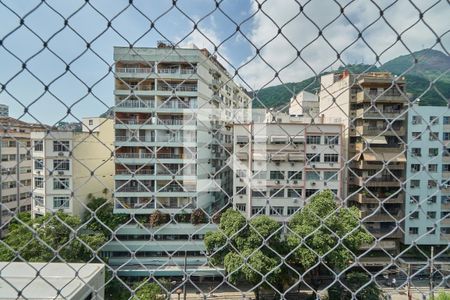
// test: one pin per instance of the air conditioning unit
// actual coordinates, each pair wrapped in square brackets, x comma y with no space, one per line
[331,164]
[313,147]
[241,180]
[60,153]
[60,172]
[313,165]
[38,172]
[295,181]
[313,183]
[332,146]
[277,164]
[277,181]
[292,164]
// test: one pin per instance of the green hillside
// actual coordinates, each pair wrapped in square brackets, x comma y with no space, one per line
[430,64]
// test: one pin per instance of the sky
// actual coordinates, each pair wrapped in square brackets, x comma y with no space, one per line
[267,42]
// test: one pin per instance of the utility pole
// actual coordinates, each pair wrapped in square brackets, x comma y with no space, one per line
[431,273]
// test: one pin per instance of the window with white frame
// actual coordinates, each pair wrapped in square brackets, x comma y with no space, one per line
[61,183]
[61,202]
[61,146]
[38,182]
[61,165]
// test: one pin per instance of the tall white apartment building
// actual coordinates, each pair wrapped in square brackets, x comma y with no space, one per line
[278,166]
[172,111]
[15,191]
[68,166]
[304,104]
[427,205]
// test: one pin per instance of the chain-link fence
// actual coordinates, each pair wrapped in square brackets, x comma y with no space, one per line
[225,149]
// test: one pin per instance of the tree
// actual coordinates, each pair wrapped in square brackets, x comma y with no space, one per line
[146,290]
[248,251]
[443,296]
[100,217]
[355,283]
[324,234]
[52,236]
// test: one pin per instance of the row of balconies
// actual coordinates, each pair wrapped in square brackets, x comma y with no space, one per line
[375,114]
[386,97]
[146,104]
[272,156]
[382,216]
[379,130]
[151,121]
[384,181]
[146,86]
[366,198]
[151,139]
[146,71]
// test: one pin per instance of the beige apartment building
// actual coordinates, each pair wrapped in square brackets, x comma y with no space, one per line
[371,107]
[68,166]
[15,191]
[280,164]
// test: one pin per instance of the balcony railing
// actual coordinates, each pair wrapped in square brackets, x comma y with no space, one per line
[138,189]
[135,155]
[137,172]
[179,104]
[134,70]
[176,188]
[136,104]
[125,204]
[133,139]
[138,87]
[175,122]
[133,121]
[174,156]
[178,88]
[176,71]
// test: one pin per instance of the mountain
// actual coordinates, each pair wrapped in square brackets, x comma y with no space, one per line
[430,65]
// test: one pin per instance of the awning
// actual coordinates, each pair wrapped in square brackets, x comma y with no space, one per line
[373,157]
[394,157]
[278,138]
[379,140]
[298,139]
[260,139]
[242,139]
[259,156]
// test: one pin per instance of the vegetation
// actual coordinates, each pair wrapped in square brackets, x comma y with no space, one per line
[320,235]
[443,296]
[355,283]
[148,290]
[431,65]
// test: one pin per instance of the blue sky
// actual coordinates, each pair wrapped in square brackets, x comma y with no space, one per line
[87,23]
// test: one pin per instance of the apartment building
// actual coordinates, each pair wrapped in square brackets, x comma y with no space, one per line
[371,107]
[427,205]
[278,166]
[172,140]
[69,166]
[15,191]
[304,104]
[4,110]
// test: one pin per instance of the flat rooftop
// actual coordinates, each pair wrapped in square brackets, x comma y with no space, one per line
[23,277]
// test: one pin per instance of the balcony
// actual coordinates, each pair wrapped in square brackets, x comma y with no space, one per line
[178,88]
[376,165]
[140,204]
[379,130]
[176,139]
[278,156]
[134,139]
[384,181]
[175,188]
[365,198]
[445,205]
[381,217]
[178,105]
[445,221]
[175,122]
[386,233]
[176,71]
[135,104]
[388,97]
[135,172]
[133,121]
[137,87]
[134,155]
[382,114]
[134,70]
[134,189]
[175,156]
[296,157]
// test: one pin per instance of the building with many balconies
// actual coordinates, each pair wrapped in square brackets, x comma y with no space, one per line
[15,191]
[68,167]
[173,109]
[371,107]
[278,166]
[427,205]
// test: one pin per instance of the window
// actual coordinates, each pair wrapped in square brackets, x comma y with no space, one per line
[295,193]
[276,175]
[446,120]
[241,191]
[277,193]
[417,119]
[446,136]
[276,210]
[291,210]
[413,230]
[416,152]
[258,194]
[434,136]
[414,199]
[294,175]
[312,175]
[432,168]
[38,182]
[417,136]
[432,152]
[330,158]
[258,210]
[446,168]
[432,184]
[61,183]
[331,140]
[240,207]
[60,202]
[330,175]
[431,199]
[91,122]
[313,139]
[310,192]
[431,230]
[38,201]
[434,120]
[431,215]
[415,168]
[38,146]
[414,184]
[61,146]
[414,215]
[61,165]
[38,164]
[445,199]
[313,157]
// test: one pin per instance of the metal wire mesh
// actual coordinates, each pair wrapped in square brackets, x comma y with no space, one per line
[300,149]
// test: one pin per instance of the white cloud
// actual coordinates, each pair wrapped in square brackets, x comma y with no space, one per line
[318,53]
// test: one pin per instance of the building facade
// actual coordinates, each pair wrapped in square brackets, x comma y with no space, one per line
[371,107]
[279,166]
[4,110]
[16,165]
[427,205]
[304,104]
[173,137]
[68,167]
